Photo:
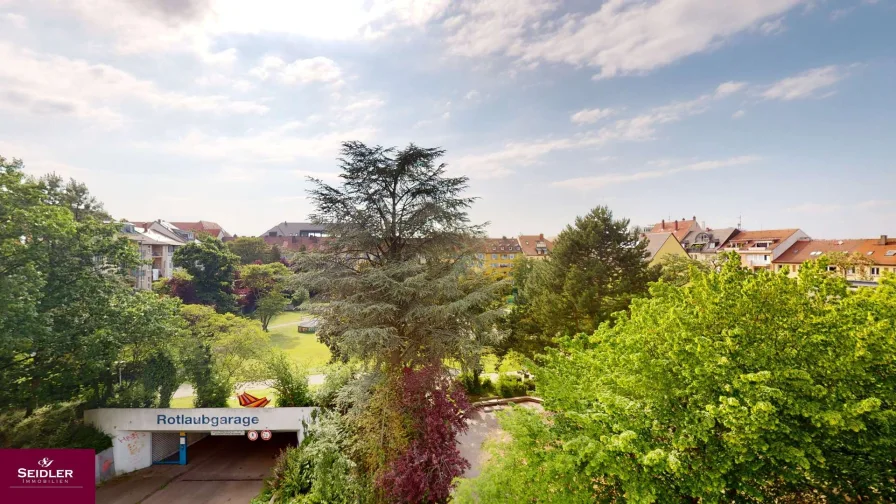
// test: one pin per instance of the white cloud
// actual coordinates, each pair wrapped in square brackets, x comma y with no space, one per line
[472,95]
[729,88]
[364,104]
[36,161]
[303,71]
[773,27]
[15,20]
[600,181]
[621,37]
[43,84]
[591,116]
[806,85]
[636,128]
[276,145]
[740,113]
[195,25]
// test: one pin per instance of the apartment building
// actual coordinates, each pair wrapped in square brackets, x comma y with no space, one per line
[498,254]
[704,244]
[758,249]
[535,246]
[661,245]
[871,257]
[679,228]
[156,247]
[299,229]
[203,227]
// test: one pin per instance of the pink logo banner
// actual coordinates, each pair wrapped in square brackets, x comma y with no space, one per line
[47,476]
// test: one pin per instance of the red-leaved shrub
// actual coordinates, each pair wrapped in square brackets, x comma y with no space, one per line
[437,407]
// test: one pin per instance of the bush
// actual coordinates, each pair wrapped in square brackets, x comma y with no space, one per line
[318,471]
[511,385]
[290,382]
[58,426]
[476,385]
[738,387]
[338,375]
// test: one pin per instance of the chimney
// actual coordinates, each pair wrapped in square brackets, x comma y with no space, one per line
[883,239]
[541,236]
[694,218]
[676,225]
[663,225]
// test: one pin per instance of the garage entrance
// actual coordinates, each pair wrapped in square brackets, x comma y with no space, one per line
[142,437]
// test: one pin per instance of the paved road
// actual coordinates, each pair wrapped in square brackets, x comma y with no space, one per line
[221,469]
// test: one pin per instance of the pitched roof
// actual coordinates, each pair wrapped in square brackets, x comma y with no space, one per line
[202,226]
[750,238]
[531,243]
[718,236]
[493,245]
[678,228]
[295,228]
[872,248]
[655,242]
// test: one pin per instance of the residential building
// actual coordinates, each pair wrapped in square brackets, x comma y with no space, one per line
[300,229]
[156,251]
[498,254]
[290,244]
[661,245]
[535,246]
[704,244]
[679,228]
[203,227]
[879,253]
[758,249]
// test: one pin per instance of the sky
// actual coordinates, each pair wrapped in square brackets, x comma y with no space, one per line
[768,113]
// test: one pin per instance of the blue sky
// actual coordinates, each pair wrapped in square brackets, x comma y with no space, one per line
[775,113]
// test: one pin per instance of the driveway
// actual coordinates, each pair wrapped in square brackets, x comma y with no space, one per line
[220,469]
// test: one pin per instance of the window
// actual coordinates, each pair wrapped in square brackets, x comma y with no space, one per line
[761,244]
[793,267]
[502,247]
[832,268]
[511,256]
[503,256]
[494,256]
[480,256]
[765,258]
[494,265]
[852,271]
[875,271]
[890,253]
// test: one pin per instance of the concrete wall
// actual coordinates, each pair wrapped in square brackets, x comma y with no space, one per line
[105,465]
[131,450]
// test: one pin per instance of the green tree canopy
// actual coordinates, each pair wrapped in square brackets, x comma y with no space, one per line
[62,270]
[213,268]
[395,273]
[739,387]
[597,267]
[251,250]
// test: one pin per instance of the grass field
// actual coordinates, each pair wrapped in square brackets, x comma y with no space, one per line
[300,347]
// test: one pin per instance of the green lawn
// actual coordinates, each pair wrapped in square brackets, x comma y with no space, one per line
[301,347]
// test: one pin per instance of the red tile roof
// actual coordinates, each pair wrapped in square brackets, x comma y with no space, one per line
[750,238]
[678,228]
[493,245]
[529,244]
[872,248]
[209,227]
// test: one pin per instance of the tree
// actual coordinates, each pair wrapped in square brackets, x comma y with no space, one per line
[62,268]
[395,272]
[524,333]
[221,350]
[596,268]
[854,263]
[269,306]
[399,291]
[678,270]
[253,250]
[738,387]
[213,268]
[263,286]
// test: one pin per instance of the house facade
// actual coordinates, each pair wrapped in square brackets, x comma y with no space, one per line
[498,254]
[704,244]
[662,245]
[868,258]
[758,249]
[156,250]
[299,229]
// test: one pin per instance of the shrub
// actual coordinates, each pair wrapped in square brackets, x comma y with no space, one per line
[290,382]
[318,471]
[338,375]
[58,426]
[511,385]
[738,387]
[476,385]
[437,410]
